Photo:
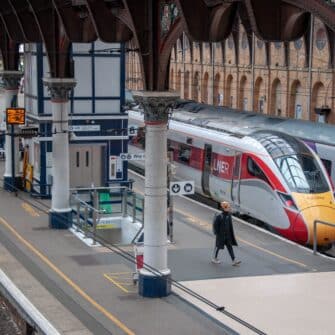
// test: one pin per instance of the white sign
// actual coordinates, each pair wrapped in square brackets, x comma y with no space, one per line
[181,187]
[132,130]
[132,157]
[85,127]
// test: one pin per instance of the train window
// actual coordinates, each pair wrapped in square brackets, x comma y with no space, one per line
[302,174]
[255,170]
[139,139]
[328,165]
[184,153]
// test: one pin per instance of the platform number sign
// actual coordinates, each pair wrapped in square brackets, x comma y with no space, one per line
[15,116]
[182,187]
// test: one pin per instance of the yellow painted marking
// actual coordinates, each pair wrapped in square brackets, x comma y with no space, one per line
[119,284]
[101,309]
[200,222]
[116,283]
[106,226]
[29,209]
[275,254]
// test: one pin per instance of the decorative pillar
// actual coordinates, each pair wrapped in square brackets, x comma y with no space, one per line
[156,108]
[11,81]
[60,215]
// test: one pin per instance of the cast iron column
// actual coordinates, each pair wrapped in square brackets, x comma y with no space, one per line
[60,215]
[156,106]
[11,81]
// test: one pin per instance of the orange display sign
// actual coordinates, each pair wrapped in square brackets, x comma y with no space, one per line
[15,116]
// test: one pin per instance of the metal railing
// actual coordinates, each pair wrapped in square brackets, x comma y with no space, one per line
[89,209]
[316,222]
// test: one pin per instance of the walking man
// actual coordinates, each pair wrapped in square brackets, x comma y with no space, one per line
[224,232]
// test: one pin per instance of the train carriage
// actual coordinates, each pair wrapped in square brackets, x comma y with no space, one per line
[267,175]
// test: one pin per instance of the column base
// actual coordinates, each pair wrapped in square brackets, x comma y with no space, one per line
[12,184]
[154,286]
[60,220]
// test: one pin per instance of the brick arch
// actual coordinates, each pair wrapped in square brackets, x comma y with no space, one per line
[228,92]
[195,86]
[320,8]
[216,89]
[187,50]
[296,98]
[318,99]
[204,88]
[276,104]
[242,103]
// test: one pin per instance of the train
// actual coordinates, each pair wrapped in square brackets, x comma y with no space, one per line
[266,175]
[318,136]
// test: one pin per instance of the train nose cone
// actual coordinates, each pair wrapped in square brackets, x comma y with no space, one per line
[325,233]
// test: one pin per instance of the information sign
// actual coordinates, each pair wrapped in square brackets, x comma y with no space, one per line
[181,187]
[132,157]
[15,116]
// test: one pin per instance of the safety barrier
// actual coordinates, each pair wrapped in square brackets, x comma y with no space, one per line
[36,323]
[91,205]
[315,232]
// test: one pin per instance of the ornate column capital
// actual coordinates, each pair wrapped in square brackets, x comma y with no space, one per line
[156,105]
[11,79]
[59,88]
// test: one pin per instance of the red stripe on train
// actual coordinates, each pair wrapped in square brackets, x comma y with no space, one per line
[297,231]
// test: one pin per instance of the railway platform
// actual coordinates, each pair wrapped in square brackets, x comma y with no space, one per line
[279,288]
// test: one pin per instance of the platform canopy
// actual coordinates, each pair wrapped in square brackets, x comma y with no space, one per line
[153,25]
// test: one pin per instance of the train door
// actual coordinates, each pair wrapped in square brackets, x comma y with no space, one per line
[235,181]
[206,171]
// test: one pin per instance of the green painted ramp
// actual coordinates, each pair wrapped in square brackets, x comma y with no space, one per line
[105,202]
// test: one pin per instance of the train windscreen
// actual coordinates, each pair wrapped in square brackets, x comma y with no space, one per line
[295,162]
[302,173]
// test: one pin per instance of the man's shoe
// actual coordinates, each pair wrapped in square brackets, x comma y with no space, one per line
[216,261]
[236,263]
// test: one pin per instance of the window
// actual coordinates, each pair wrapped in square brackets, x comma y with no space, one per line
[328,165]
[87,158]
[302,174]
[255,170]
[184,154]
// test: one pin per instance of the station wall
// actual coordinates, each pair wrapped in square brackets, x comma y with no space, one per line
[247,73]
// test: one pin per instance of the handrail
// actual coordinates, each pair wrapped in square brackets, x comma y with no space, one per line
[315,232]
[84,203]
[97,188]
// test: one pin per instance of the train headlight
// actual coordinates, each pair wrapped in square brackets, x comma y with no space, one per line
[287,201]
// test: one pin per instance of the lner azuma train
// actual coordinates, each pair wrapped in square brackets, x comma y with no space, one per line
[318,136]
[267,175]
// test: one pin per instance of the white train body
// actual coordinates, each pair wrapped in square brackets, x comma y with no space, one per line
[254,173]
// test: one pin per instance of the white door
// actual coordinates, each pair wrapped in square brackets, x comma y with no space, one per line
[85,165]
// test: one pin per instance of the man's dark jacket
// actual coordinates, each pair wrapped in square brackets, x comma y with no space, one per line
[224,231]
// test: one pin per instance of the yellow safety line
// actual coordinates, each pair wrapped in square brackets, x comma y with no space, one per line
[203,223]
[275,254]
[116,283]
[29,209]
[101,309]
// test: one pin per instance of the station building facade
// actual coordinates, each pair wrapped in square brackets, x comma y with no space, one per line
[293,80]
[98,126]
